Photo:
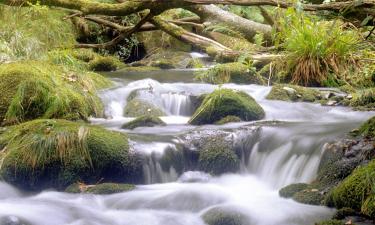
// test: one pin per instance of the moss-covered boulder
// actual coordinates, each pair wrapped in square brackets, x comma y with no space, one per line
[228,119]
[218,159]
[225,216]
[99,189]
[357,190]
[144,121]
[290,190]
[226,102]
[56,153]
[105,63]
[368,128]
[309,196]
[230,73]
[33,89]
[139,107]
[293,93]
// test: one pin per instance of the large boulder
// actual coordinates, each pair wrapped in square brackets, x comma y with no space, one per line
[138,107]
[217,159]
[33,89]
[230,73]
[227,102]
[144,121]
[56,153]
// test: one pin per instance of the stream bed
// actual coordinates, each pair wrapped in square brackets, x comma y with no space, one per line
[284,148]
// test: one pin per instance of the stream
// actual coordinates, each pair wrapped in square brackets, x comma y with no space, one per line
[284,148]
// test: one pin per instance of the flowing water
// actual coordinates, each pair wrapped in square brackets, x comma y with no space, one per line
[286,147]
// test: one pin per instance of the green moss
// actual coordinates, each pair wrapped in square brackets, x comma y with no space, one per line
[223,216]
[105,63]
[144,121]
[293,93]
[138,107]
[55,153]
[218,159]
[354,191]
[309,196]
[364,99]
[230,72]
[344,212]
[331,222]
[35,89]
[195,63]
[368,128]
[141,69]
[227,102]
[290,190]
[100,189]
[166,59]
[368,207]
[162,64]
[228,119]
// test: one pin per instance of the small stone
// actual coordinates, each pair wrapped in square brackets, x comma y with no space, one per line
[349,97]
[331,103]
[290,90]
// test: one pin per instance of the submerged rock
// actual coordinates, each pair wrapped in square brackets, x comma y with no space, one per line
[225,216]
[32,89]
[139,107]
[55,153]
[99,189]
[230,73]
[293,93]
[227,102]
[144,121]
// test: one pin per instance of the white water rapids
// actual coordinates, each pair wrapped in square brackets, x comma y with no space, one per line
[272,157]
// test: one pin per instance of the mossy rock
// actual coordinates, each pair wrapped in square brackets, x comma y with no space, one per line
[166,59]
[144,121]
[139,107]
[364,99]
[331,222]
[344,212]
[105,63]
[309,196]
[293,93]
[56,153]
[225,216]
[162,64]
[141,69]
[195,63]
[368,128]
[356,189]
[226,102]
[230,72]
[290,190]
[100,189]
[218,159]
[228,119]
[35,89]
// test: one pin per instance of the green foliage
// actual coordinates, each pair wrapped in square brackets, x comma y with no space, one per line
[364,99]
[144,121]
[237,72]
[30,32]
[34,89]
[217,160]
[357,191]
[227,102]
[368,128]
[316,48]
[55,153]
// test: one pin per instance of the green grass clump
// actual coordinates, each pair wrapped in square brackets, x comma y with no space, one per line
[56,153]
[144,121]
[105,63]
[227,102]
[364,99]
[230,72]
[36,89]
[30,32]
[316,49]
[368,128]
[357,191]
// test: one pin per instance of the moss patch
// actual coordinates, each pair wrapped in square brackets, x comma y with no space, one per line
[357,190]
[34,89]
[293,93]
[100,189]
[230,72]
[227,102]
[218,159]
[195,63]
[228,119]
[144,121]
[55,153]
[364,99]
[223,216]
[137,107]
[290,190]
[368,128]
[105,63]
